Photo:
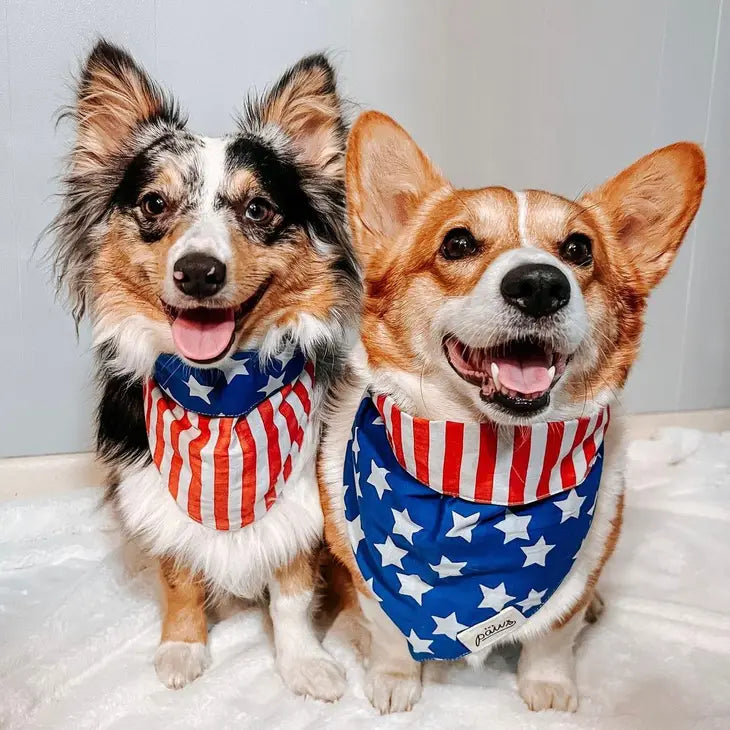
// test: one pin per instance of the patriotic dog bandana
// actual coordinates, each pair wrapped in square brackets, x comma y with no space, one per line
[463,531]
[225,440]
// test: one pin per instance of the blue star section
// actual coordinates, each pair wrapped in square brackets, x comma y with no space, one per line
[233,390]
[439,564]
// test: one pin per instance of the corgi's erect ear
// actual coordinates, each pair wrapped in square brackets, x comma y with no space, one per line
[114,97]
[651,205]
[304,103]
[388,177]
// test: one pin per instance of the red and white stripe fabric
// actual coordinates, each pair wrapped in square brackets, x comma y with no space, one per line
[490,464]
[226,472]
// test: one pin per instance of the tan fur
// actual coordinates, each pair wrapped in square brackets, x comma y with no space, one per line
[298,576]
[184,609]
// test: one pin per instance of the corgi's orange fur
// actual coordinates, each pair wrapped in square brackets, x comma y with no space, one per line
[427,309]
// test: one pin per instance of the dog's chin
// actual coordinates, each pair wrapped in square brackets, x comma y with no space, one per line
[511,383]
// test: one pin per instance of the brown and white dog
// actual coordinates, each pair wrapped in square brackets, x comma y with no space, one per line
[201,247]
[508,307]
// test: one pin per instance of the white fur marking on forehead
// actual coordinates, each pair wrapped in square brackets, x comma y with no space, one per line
[213,169]
[521,198]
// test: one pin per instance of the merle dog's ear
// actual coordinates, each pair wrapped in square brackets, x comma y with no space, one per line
[114,97]
[304,103]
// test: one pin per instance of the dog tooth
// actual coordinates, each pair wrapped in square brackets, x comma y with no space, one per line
[551,372]
[495,375]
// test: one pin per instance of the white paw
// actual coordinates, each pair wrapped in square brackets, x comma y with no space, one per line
[178,663]
[392,691]
[317,675]
[545,695]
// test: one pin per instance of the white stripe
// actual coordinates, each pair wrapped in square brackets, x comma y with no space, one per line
[522,217]
[298,408]
[598,435]
[186,437]
[152,431]
[235,480]
[469,461]
[285,440]
[281,431]
[168,418]
[388,420]
[579,455]
[538,444]
[406,434]
[207,474]
[556,482]
[436,442]
[262,461]
[503,465]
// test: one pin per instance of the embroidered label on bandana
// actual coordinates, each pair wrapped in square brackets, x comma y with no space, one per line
[225,440]
[463,531]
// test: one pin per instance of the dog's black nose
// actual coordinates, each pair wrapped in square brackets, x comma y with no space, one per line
[536,289]
[199,275]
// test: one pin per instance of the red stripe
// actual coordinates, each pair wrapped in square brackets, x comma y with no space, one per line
[453,452]
[295,432]
[301,392]
[567,468]
[271,432]
[420,448]
[148,402]
[397,435]
[162,408]
[221,472]
[196,468]
[248,485]
[486,463]
[589,445]
[177,427]
[520,460]
[552,452]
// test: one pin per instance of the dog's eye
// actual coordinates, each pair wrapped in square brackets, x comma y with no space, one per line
[576,249]
[259,210]
[153,205]
[457,244]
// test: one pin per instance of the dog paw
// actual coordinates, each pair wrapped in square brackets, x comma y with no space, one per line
[318,676]
[392,691]
[178,663]
[545,695]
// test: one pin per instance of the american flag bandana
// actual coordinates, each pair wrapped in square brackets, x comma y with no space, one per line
[225,440]
[463,531]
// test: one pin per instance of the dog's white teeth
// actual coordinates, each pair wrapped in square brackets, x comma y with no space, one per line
[551,372]
[495,375]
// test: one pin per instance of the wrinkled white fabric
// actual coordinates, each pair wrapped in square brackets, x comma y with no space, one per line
[79,623]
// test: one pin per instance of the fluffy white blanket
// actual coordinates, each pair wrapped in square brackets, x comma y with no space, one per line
[79,624]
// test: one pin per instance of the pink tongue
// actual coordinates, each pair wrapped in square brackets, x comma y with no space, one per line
[525,376]
[203,334]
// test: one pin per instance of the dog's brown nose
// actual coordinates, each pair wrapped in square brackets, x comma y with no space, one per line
[536,289]
[199,275]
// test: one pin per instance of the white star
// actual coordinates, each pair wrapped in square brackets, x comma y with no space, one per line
[420,646]
[495,598]
[583,542]
[535,554]
[448,626]
[238,368]
[354,529]
[534,598]
[377,478]
[378,421]
[463,525]
[369,584]
[198,390]
[390,553]
[514,527]
[593,506]
[358,488]
[570,506]
[413,586]
[355,444]
[404,525]
[272,385]
[446,568]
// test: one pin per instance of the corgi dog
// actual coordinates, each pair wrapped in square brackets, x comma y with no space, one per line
[472,469]
[221,287]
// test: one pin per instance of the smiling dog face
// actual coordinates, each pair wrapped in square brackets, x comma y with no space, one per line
[200,246]
[514,306]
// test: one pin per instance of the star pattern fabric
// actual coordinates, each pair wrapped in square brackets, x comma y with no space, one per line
[439,564]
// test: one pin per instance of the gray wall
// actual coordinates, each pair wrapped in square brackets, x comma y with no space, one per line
[554,94]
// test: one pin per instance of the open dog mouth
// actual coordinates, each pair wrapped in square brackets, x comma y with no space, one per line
[517,375]
[205,334]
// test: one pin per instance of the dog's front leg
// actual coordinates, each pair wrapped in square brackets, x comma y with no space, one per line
[546,670]
[393,681]
[305,667]
[182,655]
